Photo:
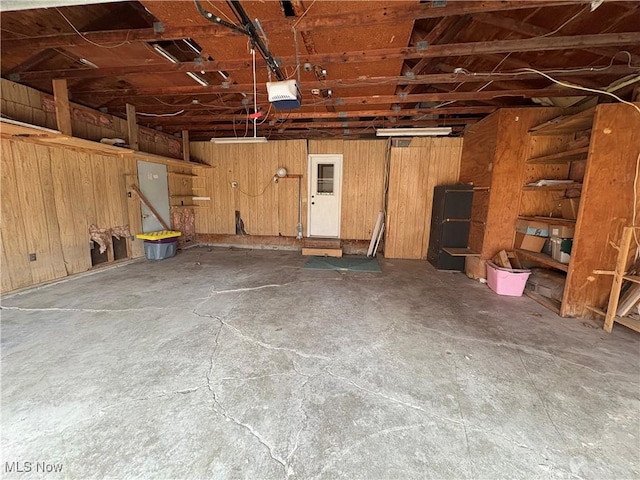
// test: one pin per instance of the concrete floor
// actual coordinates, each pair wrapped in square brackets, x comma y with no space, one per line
[239,364]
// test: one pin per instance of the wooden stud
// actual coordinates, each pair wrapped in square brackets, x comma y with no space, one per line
[185,145]
[132,127]
[614,298]
[63,110]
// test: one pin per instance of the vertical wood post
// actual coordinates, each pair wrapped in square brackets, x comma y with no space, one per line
[614,298]
[132,127]
[185,145]
[63,110]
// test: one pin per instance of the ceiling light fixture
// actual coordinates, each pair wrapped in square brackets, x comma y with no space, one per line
[192,46]
[164,53]
[228,140]
[413,132]
[88,63]
[201,81]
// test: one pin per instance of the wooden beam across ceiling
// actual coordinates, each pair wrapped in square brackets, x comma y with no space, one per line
[207,117]
[430,79]
[433,51]
[399,12]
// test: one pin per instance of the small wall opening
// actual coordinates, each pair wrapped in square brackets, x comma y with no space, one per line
[119,248]
[96,257]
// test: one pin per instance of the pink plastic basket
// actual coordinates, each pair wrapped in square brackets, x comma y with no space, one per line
[505,281]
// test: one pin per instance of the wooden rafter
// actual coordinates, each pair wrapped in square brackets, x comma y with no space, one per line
[391,14]
[434,51]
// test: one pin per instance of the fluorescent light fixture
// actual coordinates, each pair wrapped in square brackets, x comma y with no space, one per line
[88,63]
[229,140]
[413,132]
[201,81]
[192,46]
[164,53]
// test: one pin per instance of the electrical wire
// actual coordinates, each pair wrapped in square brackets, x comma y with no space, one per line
[160,114]
[302,16]
[257,194]
[126,40]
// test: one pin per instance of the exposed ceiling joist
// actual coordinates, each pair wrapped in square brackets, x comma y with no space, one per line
[434,51]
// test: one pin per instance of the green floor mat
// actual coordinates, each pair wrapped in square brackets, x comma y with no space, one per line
[355,264]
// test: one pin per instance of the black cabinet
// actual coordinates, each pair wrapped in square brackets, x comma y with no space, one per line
[450,223]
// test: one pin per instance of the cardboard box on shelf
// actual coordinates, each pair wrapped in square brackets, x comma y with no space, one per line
[561,231]
[569,207]
[529,227]
[532,243]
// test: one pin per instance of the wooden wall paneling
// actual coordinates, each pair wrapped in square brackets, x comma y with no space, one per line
[605,207]
[32,204]
[68,196]
[43,158]
[295,153]
[6,283]
[405,215]
[362,186]
[16,270]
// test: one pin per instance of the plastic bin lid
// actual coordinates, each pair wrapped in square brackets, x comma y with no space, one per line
[159,235]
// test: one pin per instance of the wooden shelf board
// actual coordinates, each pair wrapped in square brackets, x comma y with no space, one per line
[15,128]
[564,186]
[180,174]
[461,252]
[552,220]
[542,258]
[562,157]
[45,136]
[189,206]
[628,322]
[550,303]
[566,124]
[632,278]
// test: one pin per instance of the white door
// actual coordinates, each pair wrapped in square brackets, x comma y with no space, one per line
[152,178]
[325,188]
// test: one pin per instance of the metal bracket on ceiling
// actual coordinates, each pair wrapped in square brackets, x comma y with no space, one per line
[438,3]
[345,124]
[14,77]
[346,131]
[396,108]
[342,114]
[338,101]
[224,84]
[198,61]
[422,45]
[158,27]
[402,95]
[410,75]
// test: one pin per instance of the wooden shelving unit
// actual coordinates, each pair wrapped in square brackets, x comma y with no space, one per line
[619,276]
[613,131]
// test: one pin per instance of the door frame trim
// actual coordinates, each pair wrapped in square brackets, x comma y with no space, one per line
[310,158]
